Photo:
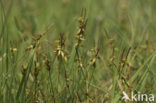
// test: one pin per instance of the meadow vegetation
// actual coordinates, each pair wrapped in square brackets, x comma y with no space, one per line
[76,51]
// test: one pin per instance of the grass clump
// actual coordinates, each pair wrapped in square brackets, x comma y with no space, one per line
[93,58]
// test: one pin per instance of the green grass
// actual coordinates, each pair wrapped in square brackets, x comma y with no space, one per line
[76,51]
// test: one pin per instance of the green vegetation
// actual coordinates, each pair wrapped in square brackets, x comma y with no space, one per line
[76,51]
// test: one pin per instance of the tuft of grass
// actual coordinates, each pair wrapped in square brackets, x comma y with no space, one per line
[51,51]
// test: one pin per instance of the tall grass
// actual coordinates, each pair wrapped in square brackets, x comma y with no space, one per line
[53,51]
